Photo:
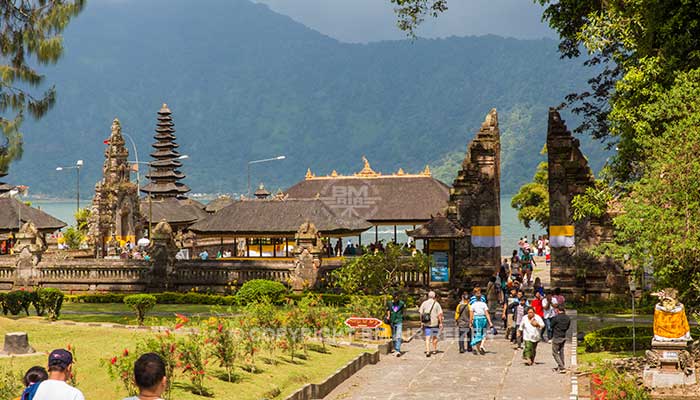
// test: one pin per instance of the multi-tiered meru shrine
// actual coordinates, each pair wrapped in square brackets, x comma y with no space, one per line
[163,172]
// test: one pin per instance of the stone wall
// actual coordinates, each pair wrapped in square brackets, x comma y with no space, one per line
[574,269]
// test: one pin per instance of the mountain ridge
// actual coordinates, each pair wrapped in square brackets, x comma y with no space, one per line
[246,83]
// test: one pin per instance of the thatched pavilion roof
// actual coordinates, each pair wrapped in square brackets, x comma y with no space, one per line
[275,217]
[398,198]
[11,210]
[439,227]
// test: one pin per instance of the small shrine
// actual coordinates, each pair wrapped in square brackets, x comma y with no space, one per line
[669,361]
[115,218]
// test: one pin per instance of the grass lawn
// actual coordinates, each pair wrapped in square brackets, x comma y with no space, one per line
[93,344]
[162,314]
[592,359]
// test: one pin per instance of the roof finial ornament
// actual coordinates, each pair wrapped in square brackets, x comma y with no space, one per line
[309,175]
[426,171]
[367,170]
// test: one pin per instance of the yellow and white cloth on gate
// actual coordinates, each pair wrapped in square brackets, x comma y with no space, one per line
[561,236]
[486,236]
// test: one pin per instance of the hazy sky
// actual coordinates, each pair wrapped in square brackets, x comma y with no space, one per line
[373,20]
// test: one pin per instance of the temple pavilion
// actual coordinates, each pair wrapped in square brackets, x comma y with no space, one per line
[14,213]
[339,206]
[382,200]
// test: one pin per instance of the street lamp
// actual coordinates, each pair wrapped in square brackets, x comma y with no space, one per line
[150,198]
[261,161]
[632,282]
[76,167]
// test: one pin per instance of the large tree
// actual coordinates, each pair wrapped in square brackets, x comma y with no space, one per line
[29,35]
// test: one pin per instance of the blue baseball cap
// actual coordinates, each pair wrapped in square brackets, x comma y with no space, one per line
[60,357]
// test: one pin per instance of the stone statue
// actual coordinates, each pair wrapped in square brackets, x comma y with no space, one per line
[670,321]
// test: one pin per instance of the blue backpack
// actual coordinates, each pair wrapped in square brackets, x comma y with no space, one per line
[30,391]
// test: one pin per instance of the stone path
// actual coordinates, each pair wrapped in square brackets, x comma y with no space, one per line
[499,375]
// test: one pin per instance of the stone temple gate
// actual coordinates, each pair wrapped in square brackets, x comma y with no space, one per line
[465,243]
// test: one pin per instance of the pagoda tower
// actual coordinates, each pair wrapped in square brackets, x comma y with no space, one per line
[4,187]
[164,175]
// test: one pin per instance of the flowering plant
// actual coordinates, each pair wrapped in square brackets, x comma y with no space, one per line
[224,345]
[121,368]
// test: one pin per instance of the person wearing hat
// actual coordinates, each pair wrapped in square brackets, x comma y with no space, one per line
[60,370]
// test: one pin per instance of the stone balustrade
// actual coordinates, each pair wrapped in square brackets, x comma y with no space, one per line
[134,276]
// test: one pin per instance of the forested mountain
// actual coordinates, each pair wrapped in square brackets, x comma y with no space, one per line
[246,83]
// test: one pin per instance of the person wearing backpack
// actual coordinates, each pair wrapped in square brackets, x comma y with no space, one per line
[431,318]
[463,319]
[31,380]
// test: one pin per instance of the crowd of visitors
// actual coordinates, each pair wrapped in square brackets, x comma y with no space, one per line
[528,320]
[52,384]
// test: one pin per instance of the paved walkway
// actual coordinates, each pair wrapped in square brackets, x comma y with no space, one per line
[500,374]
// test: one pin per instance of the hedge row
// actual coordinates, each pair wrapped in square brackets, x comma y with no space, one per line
[161,298]
[335,300]
[46,301]
[619,338]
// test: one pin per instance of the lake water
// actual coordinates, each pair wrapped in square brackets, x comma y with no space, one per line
[511,228]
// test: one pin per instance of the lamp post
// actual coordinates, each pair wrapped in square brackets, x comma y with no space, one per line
[633,290]
[136,157]
[632,282]
[261,161]
[76,167]
[150,197]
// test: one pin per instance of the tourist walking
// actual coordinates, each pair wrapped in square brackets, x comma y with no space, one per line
[479,314]
[560,324]
[527,263]
[431,321]
[508,312]
[60,370]
[463,319]
[549,304]
[477,296]
[531,328]
[492,295]
[394,314]
[149,375]
[515,263]
[560,298]
[518,315]
[31,380]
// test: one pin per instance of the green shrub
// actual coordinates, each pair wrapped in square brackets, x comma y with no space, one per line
[141,304]
[619,338]
[259,290]
[38,305]
[98,298]
[50,300]
[16,301]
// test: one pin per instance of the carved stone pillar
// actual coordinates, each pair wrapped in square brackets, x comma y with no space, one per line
[162,250]
[307,257]
[29,248]
[474,205]
[573,269]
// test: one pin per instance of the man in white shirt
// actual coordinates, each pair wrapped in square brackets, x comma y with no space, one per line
[432,312]
[60,371]
[531,326]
